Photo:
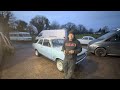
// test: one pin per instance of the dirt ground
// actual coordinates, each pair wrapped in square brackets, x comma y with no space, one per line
[25,65]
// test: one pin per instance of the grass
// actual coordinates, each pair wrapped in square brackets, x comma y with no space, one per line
[81,35]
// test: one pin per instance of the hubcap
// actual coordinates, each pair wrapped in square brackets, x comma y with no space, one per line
[100,52]
[59,66]
[36,53]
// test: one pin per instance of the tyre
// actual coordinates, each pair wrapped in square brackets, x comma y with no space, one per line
[37,53]
[59,65]
[100,52]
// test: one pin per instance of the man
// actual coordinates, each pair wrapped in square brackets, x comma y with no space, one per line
[71,48]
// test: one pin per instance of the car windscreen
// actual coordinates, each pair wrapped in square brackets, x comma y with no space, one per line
[106,35]
[35,41]
[57,42]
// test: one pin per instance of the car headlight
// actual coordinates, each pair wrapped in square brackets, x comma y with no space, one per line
[93,45]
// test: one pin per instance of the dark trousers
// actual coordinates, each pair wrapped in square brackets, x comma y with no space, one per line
[69,67]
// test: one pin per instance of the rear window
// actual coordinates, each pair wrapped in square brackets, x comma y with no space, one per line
[90,38]
[85,38]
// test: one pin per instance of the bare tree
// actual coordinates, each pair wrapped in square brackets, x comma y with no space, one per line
[32,29]
[40,22]
[81,29]
[6,18]
[70,26]
[90,31]
[105,29]
[21,25]
[55,25]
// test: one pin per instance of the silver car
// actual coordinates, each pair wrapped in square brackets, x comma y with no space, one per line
[108,44]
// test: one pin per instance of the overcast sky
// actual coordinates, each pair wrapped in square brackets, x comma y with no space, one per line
[90,19]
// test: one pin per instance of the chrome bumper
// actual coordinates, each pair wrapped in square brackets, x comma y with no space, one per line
[78,61]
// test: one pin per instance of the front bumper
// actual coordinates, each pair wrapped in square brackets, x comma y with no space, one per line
[81,58]
[91,48]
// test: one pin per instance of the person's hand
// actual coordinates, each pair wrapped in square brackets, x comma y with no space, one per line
[64,52]
[71,51]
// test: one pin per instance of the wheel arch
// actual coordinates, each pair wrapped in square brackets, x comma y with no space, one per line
[57,59]
[100,47]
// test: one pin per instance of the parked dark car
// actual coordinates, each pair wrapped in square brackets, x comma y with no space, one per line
[108,44]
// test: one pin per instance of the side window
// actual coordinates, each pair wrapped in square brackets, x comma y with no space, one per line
[40,42]
[113,38]
[20,35]
[17,35]
[90,38]
[46,43]
[85,38]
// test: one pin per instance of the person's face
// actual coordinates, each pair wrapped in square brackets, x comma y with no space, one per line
[70,36]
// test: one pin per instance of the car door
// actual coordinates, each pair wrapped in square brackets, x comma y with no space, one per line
[114,44]
[39,46]
[84,40]
[90,39]
[47,49]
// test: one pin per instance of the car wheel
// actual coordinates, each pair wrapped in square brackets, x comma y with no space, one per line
[59,65]
[37,53]
[100,52]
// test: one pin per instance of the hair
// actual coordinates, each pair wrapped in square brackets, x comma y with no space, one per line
[71,32]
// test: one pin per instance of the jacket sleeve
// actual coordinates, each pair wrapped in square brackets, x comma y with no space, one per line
[78,48]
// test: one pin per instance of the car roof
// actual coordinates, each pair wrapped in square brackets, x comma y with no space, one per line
[49,38]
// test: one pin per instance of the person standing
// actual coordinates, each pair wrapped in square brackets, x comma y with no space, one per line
[71,48]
